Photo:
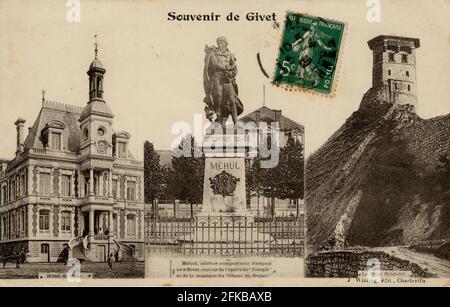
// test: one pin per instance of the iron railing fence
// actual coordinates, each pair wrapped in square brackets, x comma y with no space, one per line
[226,235]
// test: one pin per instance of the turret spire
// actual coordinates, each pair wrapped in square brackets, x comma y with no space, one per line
[264,95]
[96,45]
[96,72]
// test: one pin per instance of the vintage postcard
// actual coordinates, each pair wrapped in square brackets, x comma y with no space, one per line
[224,143]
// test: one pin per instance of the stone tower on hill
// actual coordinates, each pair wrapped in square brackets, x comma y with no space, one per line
[394,68]
[382,178]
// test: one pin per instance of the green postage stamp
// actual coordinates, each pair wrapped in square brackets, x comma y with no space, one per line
[309,52]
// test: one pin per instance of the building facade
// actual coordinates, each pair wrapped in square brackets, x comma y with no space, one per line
[286,127]
[73,179]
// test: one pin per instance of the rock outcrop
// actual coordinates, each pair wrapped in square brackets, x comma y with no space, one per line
[382,179]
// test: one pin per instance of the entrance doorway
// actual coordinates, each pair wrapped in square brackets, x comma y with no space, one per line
[101,253]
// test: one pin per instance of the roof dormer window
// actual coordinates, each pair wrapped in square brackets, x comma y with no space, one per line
[122,149]
[52,135]
[120,144]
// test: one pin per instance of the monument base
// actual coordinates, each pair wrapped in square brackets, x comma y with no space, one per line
[224,185]
[224,218]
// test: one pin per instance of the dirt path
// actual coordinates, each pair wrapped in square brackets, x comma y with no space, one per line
[432,263]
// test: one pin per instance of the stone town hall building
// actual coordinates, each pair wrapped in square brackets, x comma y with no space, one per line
[72,177]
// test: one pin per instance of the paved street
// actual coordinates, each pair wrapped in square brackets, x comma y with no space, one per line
[99,270]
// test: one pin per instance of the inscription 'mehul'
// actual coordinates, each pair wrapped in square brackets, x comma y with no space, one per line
[224,165]
[224,185]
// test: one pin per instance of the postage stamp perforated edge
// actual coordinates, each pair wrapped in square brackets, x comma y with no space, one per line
[335,80]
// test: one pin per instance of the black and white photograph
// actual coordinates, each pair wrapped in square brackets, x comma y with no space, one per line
[193,145]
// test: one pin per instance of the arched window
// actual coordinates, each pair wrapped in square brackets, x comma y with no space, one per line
[44,220]
[122,148]
[4,195]
[99,86]
[4,226]
[99,83]
[56,141]
[13,190]
[131,225]
[12,224]
[65,221]
[85,133]
[23,219]
[44,183]
[115,225]
[131,190]
[66,185]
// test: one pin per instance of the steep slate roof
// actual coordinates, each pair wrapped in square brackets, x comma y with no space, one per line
[55,111]
[268,115]
[97,107]
[67,114]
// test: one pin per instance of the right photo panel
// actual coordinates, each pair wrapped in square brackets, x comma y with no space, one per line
[377,187]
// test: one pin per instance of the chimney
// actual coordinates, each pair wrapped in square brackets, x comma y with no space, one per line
[277,116]
[20,133]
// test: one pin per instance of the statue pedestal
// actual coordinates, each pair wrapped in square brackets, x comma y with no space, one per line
[224,186]
[224,223]
[224,181]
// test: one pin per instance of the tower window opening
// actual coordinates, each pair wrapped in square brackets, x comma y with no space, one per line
[85,133]
[404,58]
[389,72]
[101,131]
[407,73]
[409,87]
[99,83]
[391,57]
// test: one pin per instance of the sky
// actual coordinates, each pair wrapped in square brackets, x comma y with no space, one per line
[154,66]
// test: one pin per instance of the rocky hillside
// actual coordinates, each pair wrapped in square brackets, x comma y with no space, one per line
[382,179]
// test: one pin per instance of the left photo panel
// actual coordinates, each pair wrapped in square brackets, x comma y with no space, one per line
[71,175]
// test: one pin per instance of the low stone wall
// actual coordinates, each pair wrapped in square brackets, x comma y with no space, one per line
[346,264]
